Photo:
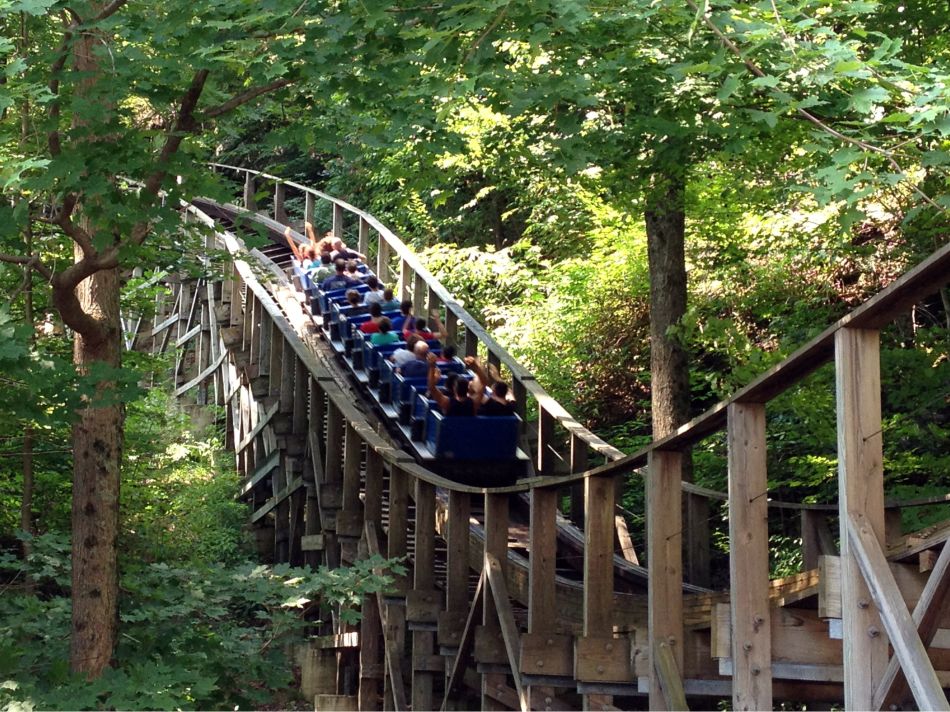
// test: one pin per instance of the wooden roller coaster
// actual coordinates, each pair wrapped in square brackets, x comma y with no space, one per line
[532,596]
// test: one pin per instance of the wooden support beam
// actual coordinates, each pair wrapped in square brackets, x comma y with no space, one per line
[542,602]
[258,427]
[383,255]
[391,646]
[496,544]
[338,213]
[860,491]
[598,556]
[506,620]
[250,202]
[749,558]
[901,629]
[664,561]
[280,193]
[578,464]
[465,643]
[671,682]
[927,614]
[308,207]
[545,462]
[419,297]
[398,520]
[423,580]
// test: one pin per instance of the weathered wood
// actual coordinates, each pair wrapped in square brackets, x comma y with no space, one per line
[250,201]
[670,681]
[258,427]
[665,561]
[598,555]
[496,544]
[749,558]
[624,540]
[860,491]
[542,604]
[423,580]
[338,214]
[398,520]
[466,641]
[546,457]
[280,193]
[392,652]
[506,620]
[927,613]
[901,629]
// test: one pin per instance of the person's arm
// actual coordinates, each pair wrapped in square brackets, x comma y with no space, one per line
[474,364]
[434,391]
[437,327]
[293,244]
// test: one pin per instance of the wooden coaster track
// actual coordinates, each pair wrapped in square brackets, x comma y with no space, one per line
[510,603]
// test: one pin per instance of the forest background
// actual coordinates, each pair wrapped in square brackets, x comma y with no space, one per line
[764,167]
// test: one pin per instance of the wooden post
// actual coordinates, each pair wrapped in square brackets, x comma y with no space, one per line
[749,558]
[333,477]
[363,243]
[395,615]
[249,200]
[542,599]
[471,343]
[578,464]
[456,574]
[861,492]
[665,562]
[405,280]
[371,631]
[451,327]
[308,207]
[337,220]
[424,584]
[382,261]
[418,296]
[351,524]
[496,543]
[280,215]
[545,462]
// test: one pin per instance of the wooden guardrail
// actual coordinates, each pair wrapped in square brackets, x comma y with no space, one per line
[332,491]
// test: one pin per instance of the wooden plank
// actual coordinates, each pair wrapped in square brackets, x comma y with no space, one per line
[398,520]
[423,580]
[927,613]
[352,464]
[749,558]
[181,390]
[860,491]
[665,560]
[545,462]
[542,602]
[260,473]
[276,499]
[624,539]
[187,336]
[457,552]
[670,681]
[496,544]
[908,647]
[465,644]
[392,654]
[506,619]
[258,427]
[173,319]
[598,556]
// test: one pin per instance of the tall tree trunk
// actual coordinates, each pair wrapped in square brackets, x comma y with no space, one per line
[97,454]
[26,503]
[665,216]
[665,224]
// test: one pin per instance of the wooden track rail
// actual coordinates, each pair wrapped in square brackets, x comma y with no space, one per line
[487,616]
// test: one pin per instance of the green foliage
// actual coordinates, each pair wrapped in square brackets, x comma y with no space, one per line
[209,637]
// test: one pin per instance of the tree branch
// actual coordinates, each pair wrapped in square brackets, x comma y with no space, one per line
[28,261]
[109,10]
[245,97]
[814,119]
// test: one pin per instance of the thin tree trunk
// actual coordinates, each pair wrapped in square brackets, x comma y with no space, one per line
[97,453]
[26,503]
[97,432]
[665,216]
[665,224]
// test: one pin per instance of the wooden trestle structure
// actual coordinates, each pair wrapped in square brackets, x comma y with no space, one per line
[509,603]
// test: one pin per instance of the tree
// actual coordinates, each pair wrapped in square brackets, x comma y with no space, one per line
[122,86]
